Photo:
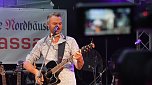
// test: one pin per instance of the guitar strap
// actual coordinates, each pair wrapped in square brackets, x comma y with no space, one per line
[61,48]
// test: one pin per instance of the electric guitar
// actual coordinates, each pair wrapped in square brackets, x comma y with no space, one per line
[2,72]
[19,72]
[51,76]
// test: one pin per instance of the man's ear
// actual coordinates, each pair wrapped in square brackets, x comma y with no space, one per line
[47,24]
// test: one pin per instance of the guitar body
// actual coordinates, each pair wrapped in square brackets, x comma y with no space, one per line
[51,78]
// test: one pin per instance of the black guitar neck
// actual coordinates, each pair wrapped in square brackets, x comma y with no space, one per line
[2,72]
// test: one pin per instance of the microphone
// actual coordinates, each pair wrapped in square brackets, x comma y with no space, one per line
[55,30]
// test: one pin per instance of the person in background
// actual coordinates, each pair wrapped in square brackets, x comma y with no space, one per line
[97,26]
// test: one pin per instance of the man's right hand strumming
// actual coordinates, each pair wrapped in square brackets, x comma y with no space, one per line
[39,78]
[29,67]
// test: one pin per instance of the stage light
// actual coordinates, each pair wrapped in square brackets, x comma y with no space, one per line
[145,13]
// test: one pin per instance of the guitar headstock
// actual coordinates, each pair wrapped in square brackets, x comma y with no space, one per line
[19,66]
[87,47]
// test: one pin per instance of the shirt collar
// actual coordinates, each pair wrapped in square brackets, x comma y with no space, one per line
[61,40]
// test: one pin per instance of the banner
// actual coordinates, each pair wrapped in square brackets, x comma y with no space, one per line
[20,29]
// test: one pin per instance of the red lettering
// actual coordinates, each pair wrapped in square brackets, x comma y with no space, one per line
[3,43]
[26,43]
[8,24]
[14,44]
[35,41]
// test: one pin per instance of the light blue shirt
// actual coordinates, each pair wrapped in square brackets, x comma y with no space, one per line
[67,75]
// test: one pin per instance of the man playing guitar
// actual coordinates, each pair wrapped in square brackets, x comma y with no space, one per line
[47,47]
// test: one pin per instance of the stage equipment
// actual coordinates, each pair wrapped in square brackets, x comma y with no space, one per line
[94,63]
[18,72]
[49,45]
[144,39]
[102,19]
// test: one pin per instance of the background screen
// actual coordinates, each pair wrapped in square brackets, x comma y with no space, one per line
[105,19]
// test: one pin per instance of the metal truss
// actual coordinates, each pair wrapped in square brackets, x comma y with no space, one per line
[144,39]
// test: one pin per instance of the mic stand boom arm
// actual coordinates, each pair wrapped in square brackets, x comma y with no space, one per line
[39,73]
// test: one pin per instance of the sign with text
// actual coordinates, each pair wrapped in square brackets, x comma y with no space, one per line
[21,28]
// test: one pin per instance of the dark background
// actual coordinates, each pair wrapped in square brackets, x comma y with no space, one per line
[105,45]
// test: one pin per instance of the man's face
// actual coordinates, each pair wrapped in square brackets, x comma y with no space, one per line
[55,21]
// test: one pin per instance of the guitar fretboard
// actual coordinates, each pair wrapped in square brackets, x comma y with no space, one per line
[18,78]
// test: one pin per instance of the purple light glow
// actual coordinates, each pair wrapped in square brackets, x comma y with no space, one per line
[1,3]
[112,0]
[138,41]
[117,0]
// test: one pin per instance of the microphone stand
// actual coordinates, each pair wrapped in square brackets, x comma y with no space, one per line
[39,73]
[97,78]
[95,67]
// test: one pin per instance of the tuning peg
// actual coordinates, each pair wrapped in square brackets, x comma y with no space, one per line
[0,62]
[20,62]
[92,44]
